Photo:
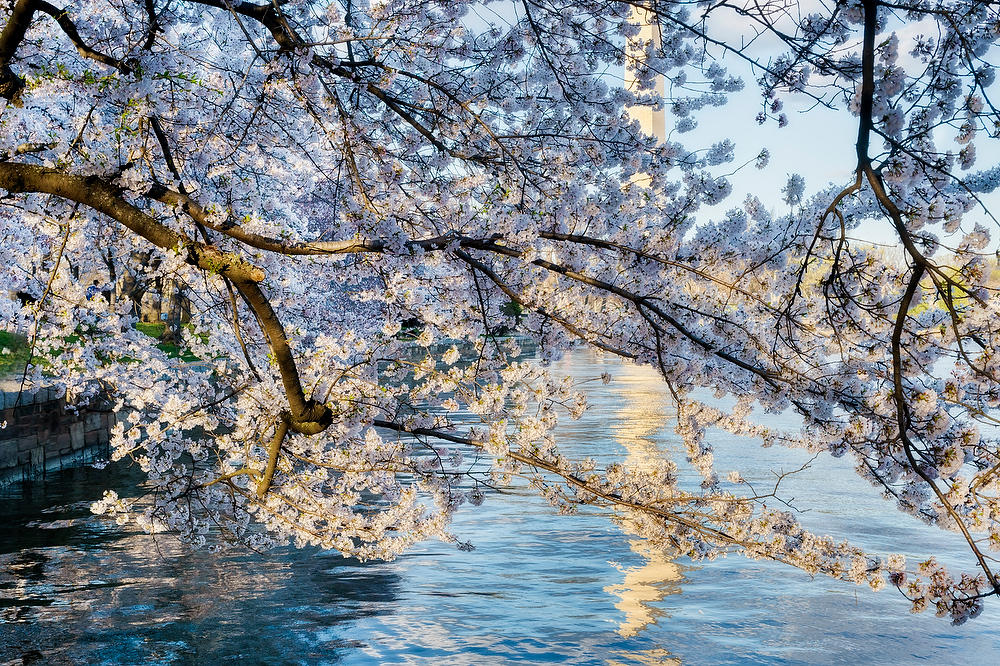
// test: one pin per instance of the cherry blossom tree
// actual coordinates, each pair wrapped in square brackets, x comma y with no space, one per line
[359,196]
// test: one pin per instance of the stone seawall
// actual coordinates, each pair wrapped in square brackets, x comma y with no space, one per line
[43,434]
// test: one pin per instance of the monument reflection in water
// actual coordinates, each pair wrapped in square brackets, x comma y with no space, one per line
[644,413]
[76,588]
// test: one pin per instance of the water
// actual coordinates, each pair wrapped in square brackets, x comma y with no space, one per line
[539,588]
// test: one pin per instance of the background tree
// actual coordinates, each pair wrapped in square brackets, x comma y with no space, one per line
[317,173]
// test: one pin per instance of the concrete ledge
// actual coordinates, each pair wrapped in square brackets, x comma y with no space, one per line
[13,394]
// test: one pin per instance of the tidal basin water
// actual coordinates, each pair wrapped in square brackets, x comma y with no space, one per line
[539,588]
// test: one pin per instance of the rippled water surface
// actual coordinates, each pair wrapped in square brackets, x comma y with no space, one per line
[539,588]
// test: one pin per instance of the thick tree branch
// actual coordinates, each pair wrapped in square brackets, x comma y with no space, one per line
[68,27]
[13,34]
[273,450]
[105,198]
[308,417]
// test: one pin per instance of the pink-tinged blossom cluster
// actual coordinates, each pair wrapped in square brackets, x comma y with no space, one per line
[360,201]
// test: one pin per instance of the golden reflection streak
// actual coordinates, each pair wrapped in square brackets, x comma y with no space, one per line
[642,416]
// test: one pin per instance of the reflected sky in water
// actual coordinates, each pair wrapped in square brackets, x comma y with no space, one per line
[540,588]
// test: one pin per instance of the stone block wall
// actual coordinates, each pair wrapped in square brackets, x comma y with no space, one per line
[43,434]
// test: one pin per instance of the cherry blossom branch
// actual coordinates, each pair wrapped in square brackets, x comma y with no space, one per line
[588,489]
[514,296]
[273,449]
[68,27]
[308,416]
[13,33]
[921,264]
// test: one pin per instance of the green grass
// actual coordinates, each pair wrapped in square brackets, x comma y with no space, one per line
[12,361]
[156,330]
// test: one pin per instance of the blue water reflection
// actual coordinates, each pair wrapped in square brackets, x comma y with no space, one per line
[539,588]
